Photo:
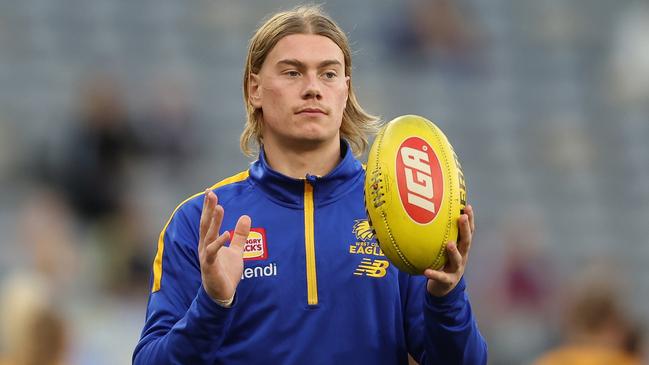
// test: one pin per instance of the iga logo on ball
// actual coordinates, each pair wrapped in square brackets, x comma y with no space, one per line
[419,178]
[414,193]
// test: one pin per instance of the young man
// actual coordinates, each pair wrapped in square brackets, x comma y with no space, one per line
[292,286]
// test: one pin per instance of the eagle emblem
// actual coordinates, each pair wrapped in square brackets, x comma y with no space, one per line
[363,230]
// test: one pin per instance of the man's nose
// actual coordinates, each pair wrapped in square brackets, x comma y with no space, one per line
[312,88]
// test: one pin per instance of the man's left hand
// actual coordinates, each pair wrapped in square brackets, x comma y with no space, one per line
[441,282]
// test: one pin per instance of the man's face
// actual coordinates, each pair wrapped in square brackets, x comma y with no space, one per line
[302,91]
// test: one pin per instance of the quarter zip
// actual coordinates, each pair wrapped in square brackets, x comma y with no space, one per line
[309,242]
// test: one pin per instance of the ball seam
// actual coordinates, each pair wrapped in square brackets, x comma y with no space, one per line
[382,212]
[440,145]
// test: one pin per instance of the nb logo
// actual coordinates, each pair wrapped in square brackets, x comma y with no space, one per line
[372,268]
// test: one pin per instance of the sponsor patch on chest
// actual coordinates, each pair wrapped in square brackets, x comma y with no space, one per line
[256,246]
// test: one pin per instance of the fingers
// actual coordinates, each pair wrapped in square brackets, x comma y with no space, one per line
[241,232]
[203,224]
[214,247]
[211,218]
[455,260]
[209,202]
[215,225]
[465,235]
[439,277]
[441,282]
[468,210]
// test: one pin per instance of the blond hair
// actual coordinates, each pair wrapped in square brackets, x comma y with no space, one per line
[356,125]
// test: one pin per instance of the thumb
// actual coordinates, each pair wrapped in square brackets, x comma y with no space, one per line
[241,232]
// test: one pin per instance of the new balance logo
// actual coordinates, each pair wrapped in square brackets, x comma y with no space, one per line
[372,268]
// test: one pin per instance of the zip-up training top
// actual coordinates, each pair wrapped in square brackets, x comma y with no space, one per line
[316,287]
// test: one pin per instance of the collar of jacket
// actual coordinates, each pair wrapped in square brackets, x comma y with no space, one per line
[290,191]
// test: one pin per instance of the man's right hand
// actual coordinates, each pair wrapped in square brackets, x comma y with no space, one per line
[221,267]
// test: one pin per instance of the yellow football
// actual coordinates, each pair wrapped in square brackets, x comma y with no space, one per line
[414,193]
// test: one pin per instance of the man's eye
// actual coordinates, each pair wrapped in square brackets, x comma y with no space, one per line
[292,73]
[330,75]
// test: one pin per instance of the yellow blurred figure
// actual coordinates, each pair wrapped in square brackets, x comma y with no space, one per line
[596,333]
[32,330]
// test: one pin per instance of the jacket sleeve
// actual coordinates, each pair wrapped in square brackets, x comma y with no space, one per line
[442,330]
[183,325]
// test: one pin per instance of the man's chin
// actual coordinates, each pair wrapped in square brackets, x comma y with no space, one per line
[310,142]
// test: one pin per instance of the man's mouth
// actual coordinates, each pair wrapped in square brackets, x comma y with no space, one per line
[311,111]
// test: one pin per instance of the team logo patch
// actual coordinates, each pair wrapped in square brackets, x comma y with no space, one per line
[365,243]
[363,230]
[256,247]
[372,268]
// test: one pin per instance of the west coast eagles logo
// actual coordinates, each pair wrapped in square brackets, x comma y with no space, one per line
[365,242]
[363,230]
[366,245]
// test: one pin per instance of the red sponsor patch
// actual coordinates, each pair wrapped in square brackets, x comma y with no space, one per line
[256,247]
[419,178]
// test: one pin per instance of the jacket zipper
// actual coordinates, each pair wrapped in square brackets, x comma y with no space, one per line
[309,242]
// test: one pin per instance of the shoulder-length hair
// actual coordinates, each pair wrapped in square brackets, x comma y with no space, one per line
[357,125]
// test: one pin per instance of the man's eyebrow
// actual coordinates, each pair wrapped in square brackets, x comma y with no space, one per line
[299,64]
[326,63]
[291,62]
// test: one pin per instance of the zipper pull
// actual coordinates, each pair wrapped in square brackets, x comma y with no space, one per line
[311,178]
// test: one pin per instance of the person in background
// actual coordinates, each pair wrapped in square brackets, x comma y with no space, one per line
[33,331]
[101,141]
[597,332]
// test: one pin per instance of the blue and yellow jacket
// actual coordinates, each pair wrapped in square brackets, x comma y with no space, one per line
[316,288]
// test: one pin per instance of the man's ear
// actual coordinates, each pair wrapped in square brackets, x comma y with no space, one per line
[254,91]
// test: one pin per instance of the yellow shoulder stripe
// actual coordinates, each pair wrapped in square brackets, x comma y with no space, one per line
[157,262]
[232,179]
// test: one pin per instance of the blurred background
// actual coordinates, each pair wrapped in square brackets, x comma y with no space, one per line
[114,111]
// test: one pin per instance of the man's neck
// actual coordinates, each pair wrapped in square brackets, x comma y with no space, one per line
[298,163]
